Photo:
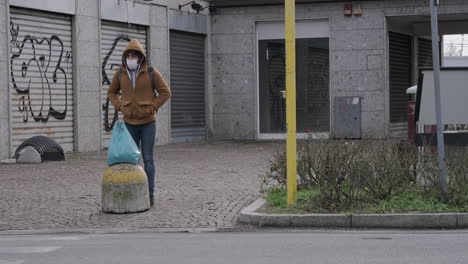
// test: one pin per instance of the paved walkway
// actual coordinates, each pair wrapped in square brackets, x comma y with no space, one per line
[198,185]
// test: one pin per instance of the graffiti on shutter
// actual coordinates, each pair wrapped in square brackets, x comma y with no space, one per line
[41,77]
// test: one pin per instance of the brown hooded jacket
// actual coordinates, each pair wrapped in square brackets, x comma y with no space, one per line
[138,105]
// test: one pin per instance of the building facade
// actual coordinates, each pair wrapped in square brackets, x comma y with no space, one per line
[365,53]
[57,58]
[355,60]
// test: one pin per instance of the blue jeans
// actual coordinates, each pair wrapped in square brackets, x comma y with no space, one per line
[144,138]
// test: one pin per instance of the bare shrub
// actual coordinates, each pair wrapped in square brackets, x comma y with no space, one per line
[457,174]
[333,165]
[349,174]
[276,176]
[385,167]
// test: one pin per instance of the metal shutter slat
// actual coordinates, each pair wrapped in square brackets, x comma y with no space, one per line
[400,77]
[424,52]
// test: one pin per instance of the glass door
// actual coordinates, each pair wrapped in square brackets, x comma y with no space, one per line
[312,86]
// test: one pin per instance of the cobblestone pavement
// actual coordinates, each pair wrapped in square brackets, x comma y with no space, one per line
[198,185]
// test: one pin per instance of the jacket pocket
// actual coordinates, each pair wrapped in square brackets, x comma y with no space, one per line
[145,108]
[125,109]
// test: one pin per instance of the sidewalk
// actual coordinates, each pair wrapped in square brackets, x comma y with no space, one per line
[198,185]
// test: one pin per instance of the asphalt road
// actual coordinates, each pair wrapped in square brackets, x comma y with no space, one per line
[269,247]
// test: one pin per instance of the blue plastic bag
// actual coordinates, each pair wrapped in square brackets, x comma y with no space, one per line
[122,147]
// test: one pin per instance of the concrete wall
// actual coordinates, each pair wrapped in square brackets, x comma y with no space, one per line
[233,60]
[4,91]
[87,15]
[159,58]
[87,83]
[125,11]
[174,4]
[358,59]
[357,64]
[184,21]
[65,6]
[358,68]
[421,7]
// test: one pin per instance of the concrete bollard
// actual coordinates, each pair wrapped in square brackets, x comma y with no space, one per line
[125,189]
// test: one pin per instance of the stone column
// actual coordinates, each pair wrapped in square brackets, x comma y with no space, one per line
[209,80]
[233,71]
[87,87]
[4,83]
[158,51]
[358,66]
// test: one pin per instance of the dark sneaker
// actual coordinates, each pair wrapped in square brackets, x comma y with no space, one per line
[151,199]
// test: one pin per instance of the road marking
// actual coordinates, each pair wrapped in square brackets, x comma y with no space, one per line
[69,238]
[28,250]
[41,238]
[11,262]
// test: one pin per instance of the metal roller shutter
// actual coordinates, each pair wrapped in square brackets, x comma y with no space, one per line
[424,52]
[41,77]
[400,80]
[188,86]
[114,39]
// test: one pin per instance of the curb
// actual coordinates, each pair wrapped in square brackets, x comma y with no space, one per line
[249,216]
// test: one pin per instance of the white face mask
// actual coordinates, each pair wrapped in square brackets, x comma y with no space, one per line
[132,64]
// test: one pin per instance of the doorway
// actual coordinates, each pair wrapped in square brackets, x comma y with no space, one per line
[312,84]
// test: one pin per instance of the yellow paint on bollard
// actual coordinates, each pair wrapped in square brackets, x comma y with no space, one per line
[291,166]
[124,173]
[125,189]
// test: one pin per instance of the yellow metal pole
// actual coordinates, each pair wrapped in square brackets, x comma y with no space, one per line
[290,30]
